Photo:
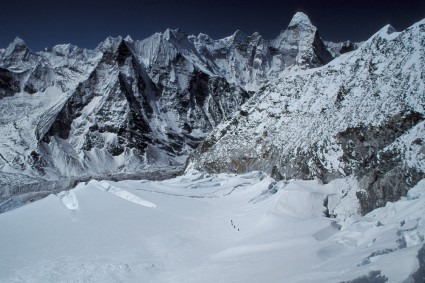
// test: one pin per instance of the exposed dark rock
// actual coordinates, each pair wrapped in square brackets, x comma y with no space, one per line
[372,277]
[381,173]
[8,83]
[419,275]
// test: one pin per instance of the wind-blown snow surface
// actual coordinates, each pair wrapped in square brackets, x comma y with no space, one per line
[204,228]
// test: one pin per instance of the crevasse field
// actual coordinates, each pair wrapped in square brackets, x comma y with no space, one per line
[211,228]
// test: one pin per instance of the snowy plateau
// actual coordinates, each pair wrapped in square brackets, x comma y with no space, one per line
[182,158]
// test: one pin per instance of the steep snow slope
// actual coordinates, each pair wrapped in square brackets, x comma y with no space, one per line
[204,228]
[362,115]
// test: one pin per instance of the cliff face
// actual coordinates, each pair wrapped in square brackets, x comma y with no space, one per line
[362,115]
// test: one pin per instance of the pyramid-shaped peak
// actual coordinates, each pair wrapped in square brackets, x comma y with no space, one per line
[239,36]
[300,19]
[389,29]
[176,34]
[18,41]
[110,43]
[388,32]
[17,45]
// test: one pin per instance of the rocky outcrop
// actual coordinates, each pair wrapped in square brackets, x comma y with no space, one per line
[338,48]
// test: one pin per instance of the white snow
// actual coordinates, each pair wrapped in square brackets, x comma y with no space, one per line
[300,18]
[209,228]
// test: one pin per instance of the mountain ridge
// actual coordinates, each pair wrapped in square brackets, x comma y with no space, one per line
[133,105]
[362,114]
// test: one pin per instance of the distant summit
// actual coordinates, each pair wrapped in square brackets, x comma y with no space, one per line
[300,19]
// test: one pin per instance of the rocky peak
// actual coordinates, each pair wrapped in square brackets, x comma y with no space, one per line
[202,39]
[175,35]
[110,44]
[239,37]
[17,43]
[338,48]
[128,38]
[16,52]
[300,30]
[301,44]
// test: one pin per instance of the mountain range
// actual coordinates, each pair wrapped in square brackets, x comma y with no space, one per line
[182,158]
[310,109]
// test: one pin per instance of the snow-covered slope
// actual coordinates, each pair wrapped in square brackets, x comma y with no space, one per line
[213,228]
[362,114]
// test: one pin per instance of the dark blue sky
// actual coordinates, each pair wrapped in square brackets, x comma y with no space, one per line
[45,23]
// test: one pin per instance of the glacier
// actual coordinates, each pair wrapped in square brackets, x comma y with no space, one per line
[213,227]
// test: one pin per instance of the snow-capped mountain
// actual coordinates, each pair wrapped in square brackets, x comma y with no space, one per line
[362,114]
[130,105]
[338,130]
[250,61]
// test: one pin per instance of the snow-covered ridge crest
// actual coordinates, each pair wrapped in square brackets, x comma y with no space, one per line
[300,19]
[350,117]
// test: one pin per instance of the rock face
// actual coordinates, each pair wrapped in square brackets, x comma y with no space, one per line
[362,114]
[339,48]
[129,105]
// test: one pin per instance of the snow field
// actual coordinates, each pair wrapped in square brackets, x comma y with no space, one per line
[203,228]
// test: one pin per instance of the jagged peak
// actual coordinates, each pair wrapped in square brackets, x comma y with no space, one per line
[388,32]
[256,36]
[128,38]
[63,48]
[204,36]
[300,19]
[17,42]
[200,38]
[110,42]
[239,36]
[390,29]
[176,34]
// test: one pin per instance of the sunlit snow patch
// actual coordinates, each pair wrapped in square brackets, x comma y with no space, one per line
[107,187]
[69,199]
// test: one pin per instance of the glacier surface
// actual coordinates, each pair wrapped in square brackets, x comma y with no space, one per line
[220,227]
